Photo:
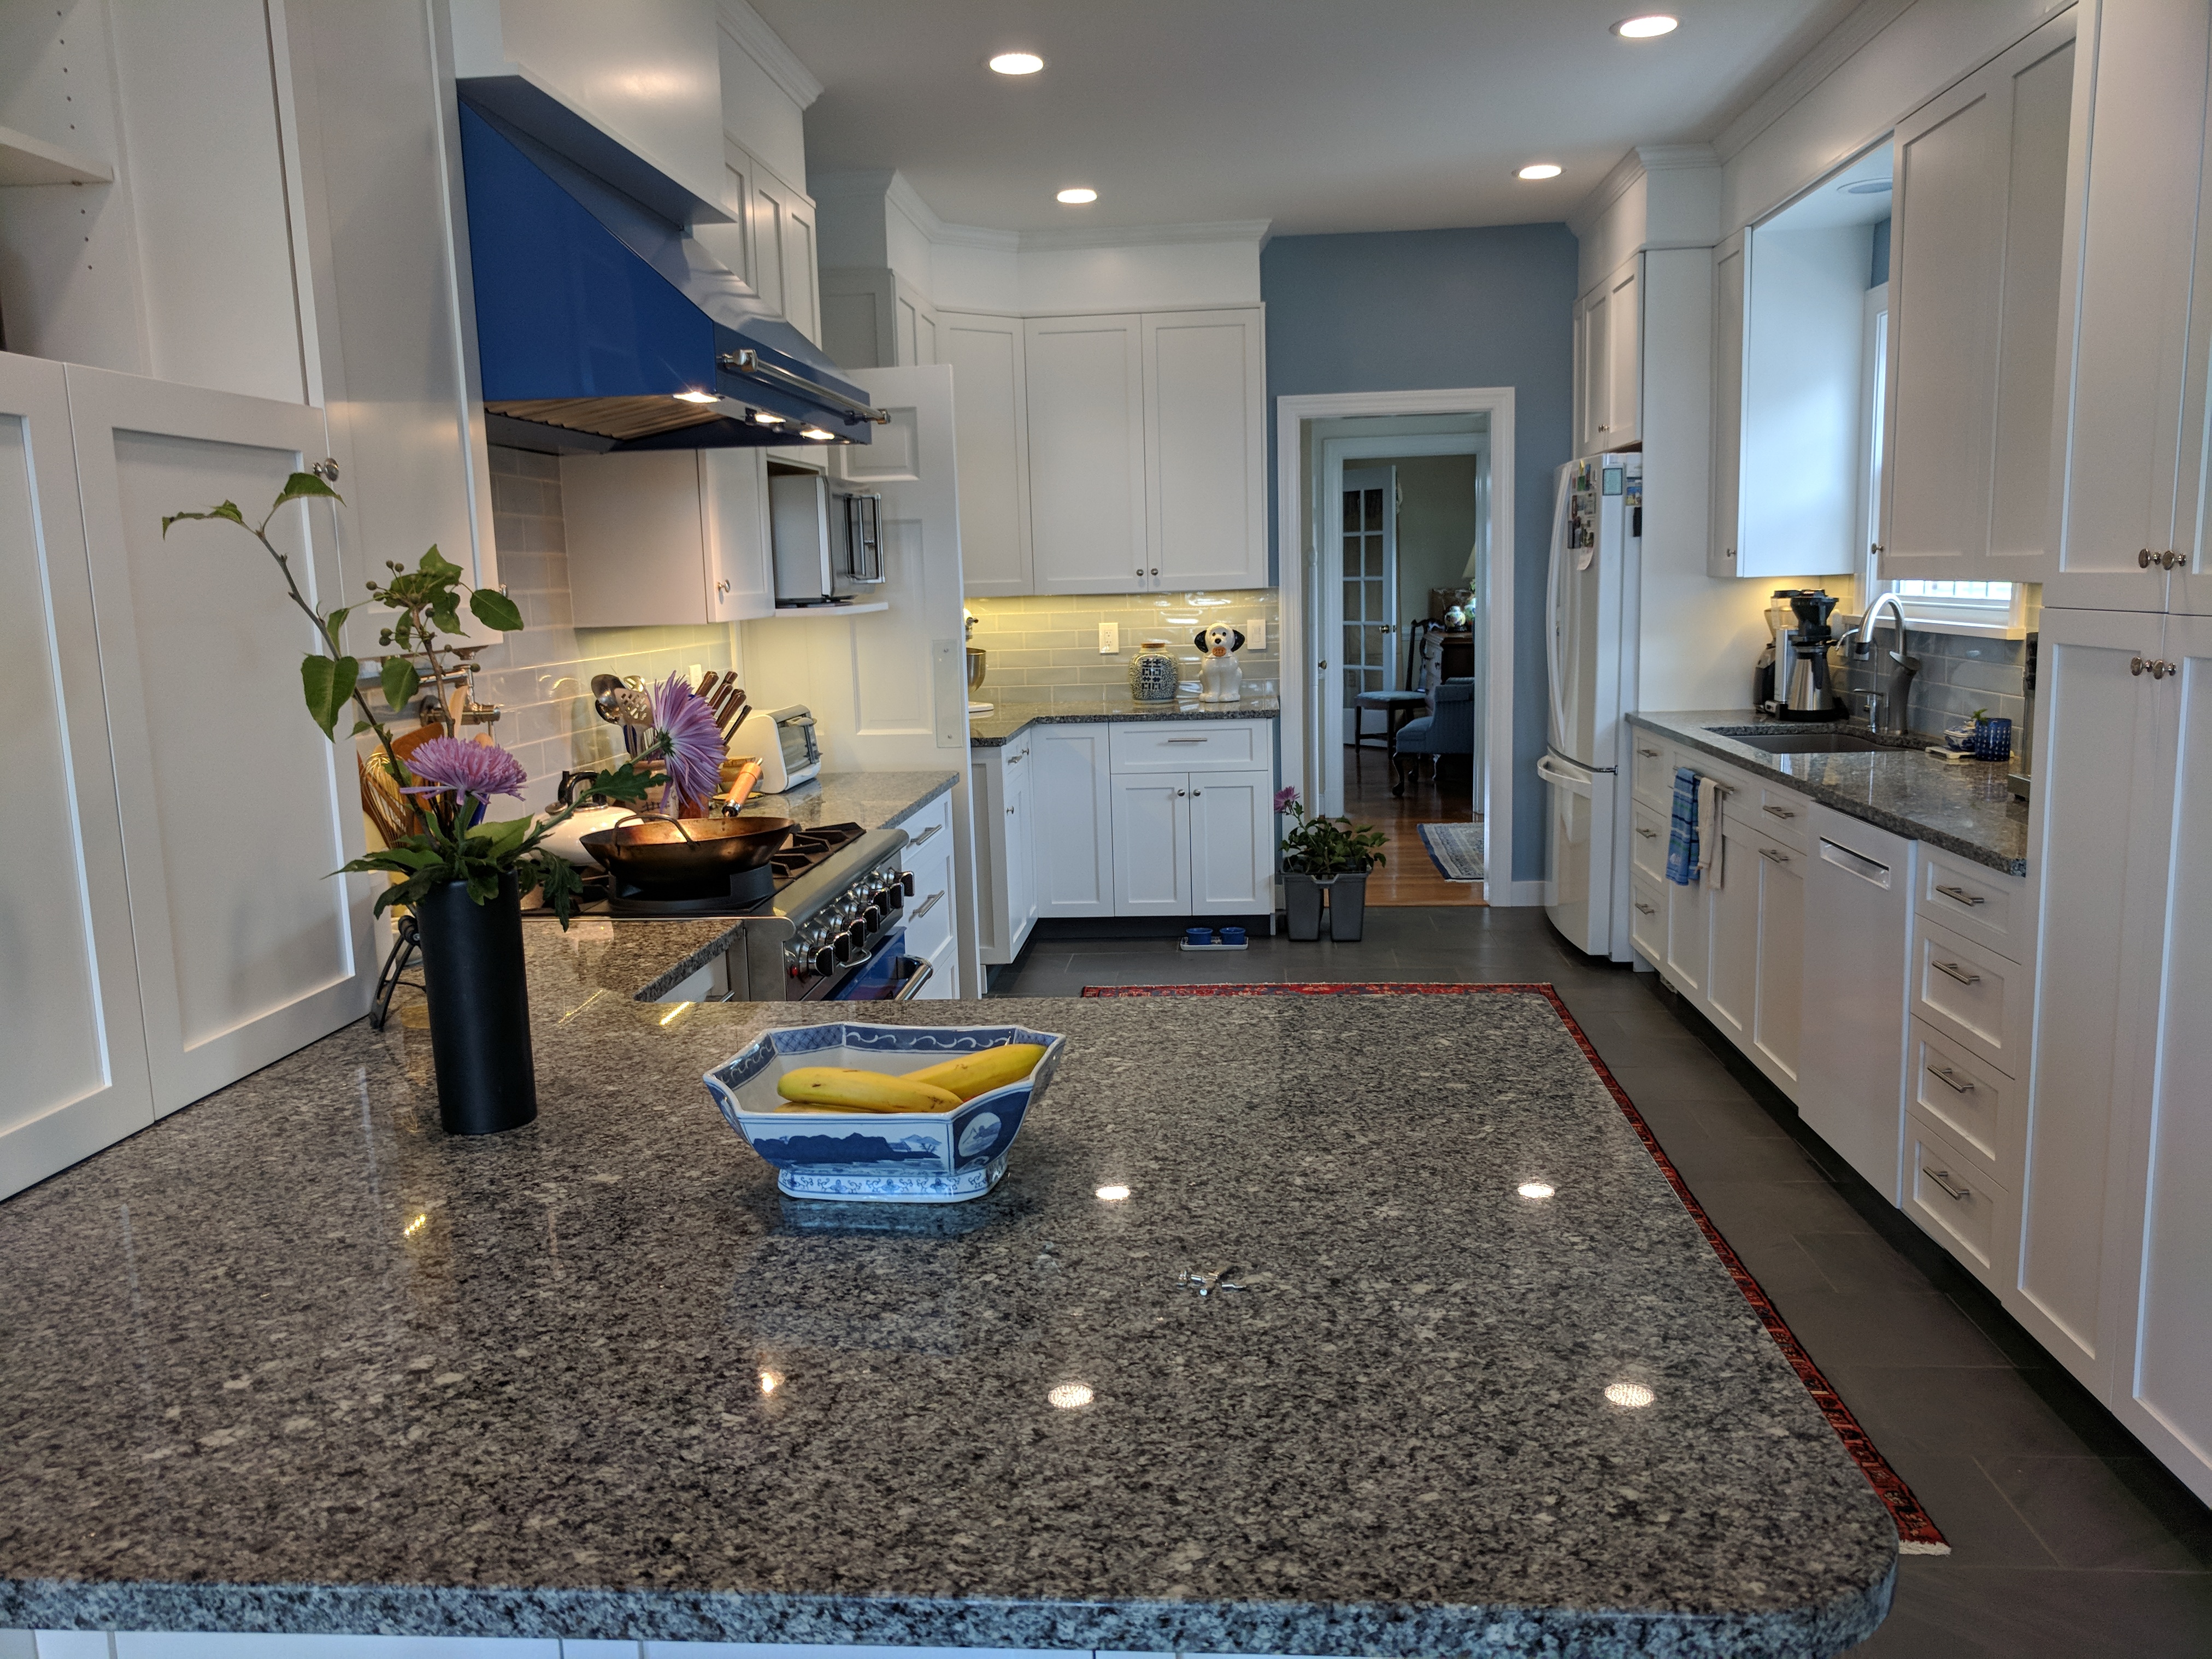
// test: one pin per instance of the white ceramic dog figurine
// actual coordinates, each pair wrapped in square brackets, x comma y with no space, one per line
[1220,678]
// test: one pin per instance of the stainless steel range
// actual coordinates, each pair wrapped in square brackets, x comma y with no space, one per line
[828,928]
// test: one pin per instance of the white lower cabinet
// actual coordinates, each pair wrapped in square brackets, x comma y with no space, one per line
[1955,1198]
[1777,1017]
[1125,819]
[928,917]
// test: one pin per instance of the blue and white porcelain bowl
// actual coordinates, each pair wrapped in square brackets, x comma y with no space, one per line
[913,1158]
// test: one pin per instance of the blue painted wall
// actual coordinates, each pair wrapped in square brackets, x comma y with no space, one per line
[1403,310]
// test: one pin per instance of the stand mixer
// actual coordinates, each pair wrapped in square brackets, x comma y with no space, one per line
[975,655]
[1802,687]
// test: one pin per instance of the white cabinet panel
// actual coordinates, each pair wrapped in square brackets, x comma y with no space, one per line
[1190,745]
[1086,377]
[1976,997]
[1732,977]
[1689,939]
[1973,297]
[1232,853]
[1205,449]
[1728,406]
[668,537]
[1973,1103]
[1953,1199]
[991,415]
[1597,327]
[2098,873]
[1617,352]
[1647,921]
[1647,841]
[2125,303]
[1074,808]
[1981,903]
[1152,840]
[241,958]
[1779,1015]
[1006,900]
[740,572]
[75,1079]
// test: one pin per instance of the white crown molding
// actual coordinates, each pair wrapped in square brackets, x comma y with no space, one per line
[894,189]
[1254,231]
[765,47]
[1604,193]
[1673,158]
[902,195]
[998,241]
[1830,53]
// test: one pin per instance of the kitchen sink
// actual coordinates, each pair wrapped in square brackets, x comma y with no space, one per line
[1801,742]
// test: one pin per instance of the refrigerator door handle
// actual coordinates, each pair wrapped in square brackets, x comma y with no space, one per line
[1553,770]
[1560,498]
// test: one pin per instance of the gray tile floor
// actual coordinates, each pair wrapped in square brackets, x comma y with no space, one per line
[2066,1539]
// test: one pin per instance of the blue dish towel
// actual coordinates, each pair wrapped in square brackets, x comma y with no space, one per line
[1682,833]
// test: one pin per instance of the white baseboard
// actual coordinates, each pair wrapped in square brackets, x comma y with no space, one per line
[1505,894]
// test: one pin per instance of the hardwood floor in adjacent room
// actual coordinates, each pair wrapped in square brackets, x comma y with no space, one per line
[1410,875]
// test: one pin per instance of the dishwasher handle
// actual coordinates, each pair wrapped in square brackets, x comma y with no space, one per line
[1871,870]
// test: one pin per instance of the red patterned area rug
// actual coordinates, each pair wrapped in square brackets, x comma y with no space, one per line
[1916,1533]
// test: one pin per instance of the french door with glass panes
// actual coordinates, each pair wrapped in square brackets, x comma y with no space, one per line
[1370,586]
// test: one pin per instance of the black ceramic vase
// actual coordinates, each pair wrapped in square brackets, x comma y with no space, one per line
[479,1008]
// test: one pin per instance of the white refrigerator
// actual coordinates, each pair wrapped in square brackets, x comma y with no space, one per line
[1591,633]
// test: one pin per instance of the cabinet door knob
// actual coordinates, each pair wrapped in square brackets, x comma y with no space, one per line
[1195,793]
[2137,665]
[722,588]
[2160,669]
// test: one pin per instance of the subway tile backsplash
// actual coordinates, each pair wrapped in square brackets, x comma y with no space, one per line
[1959,674]
[1043,649]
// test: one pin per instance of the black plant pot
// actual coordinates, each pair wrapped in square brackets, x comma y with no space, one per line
[479,1008]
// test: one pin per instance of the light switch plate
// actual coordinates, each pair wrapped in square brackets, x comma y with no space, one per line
[1256,633]
[1109,638]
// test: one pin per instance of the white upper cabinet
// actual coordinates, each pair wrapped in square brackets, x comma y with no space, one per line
[1085,380]
[873,318]
[1609,363]
[668,537]
[990,403]
[2128,451]
[1979,217]
[769,241]
[1728,404]
[1205,449]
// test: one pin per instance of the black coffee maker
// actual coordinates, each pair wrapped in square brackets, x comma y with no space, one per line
[1802,689]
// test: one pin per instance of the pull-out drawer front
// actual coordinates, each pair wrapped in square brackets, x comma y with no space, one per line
[1647,840]
[1954,1202]
[1970,993]
[1192,746]
[928,827]
[1972,1104]
[1647,917]
[1652,775]
[1976,902]
[1781,813]
[929,915]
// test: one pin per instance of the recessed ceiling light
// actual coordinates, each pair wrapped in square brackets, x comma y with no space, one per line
[695,397]
[1540,170]
[1868,187]
[1647,28]
[1018,63]
[1077,196]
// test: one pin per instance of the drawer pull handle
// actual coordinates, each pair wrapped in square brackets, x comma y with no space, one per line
[1942,1178]
[1778,811]
[1770,853]
[1016,760]
[1950,1079]
[926,906]
[1964,975]
[1649,754]
[1186,739]
[925,834]
[1958,893]
[1647,910]
[1648,835]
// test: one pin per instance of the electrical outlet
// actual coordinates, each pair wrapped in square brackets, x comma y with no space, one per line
[1109,638]
[1256,633]
[693,674]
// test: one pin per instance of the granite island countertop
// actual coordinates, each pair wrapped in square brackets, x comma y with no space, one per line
[292,1360]
[1007,720]
[1964,808]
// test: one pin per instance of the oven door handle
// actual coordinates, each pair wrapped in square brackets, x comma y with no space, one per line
[920,969]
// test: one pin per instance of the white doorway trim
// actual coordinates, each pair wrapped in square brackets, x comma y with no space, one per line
[1299,560]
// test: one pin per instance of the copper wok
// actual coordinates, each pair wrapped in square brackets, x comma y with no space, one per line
[657,853]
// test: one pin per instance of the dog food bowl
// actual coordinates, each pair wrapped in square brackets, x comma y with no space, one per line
[873,1157]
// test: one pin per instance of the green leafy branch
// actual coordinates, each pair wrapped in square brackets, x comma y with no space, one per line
[449,849]
[1321,846]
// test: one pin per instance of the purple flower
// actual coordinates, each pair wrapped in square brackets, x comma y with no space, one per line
[481,769]
[1285,797]
[684,730]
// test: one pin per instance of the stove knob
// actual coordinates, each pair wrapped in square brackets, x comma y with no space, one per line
[893,898]
[906,884]
[871,918]
[825,961]
[847,947]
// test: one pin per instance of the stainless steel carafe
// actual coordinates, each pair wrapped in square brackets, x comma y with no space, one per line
[1808,694]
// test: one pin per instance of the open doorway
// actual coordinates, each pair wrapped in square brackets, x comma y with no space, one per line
[1398,610]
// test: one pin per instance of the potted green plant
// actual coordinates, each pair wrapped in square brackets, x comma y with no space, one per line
[464,878]
[1325,854]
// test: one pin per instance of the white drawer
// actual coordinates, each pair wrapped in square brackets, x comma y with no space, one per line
[1973,1103]
[1647,918]
[1973,995]
[1976,902]
[1191,746]
[929,914]
[1780,812]
[1954,1202]
[1652,770]
[930,828]
[943,983]
[1647,840]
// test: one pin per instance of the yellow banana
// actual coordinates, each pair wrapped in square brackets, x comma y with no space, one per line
[978,1073]
[850,1089]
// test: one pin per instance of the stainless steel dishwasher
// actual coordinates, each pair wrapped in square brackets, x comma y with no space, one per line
[1858,950]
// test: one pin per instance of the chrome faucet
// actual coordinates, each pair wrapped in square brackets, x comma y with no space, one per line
[1897,696]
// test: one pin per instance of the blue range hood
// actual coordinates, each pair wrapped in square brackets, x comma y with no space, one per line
[600,324]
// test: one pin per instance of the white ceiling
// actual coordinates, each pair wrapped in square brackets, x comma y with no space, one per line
[1320,115]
